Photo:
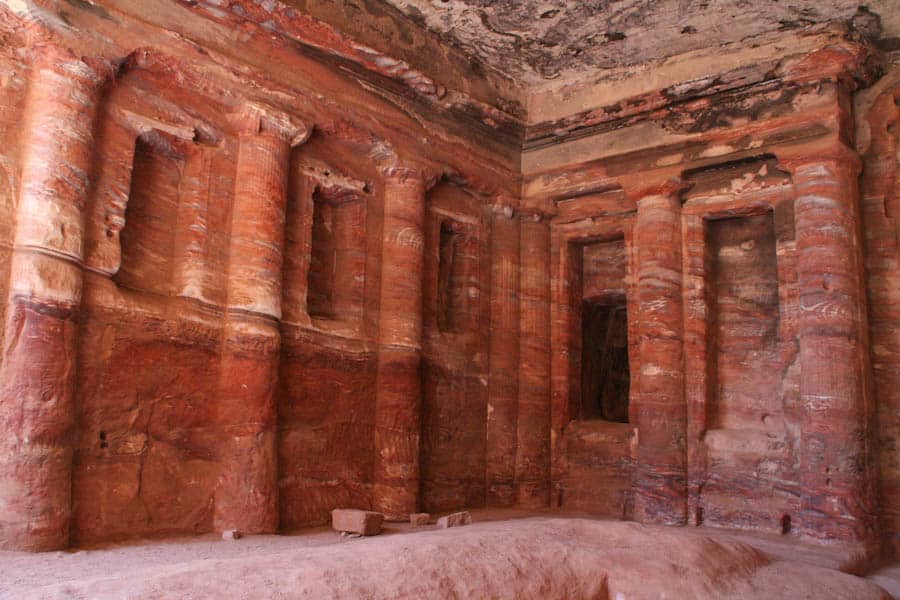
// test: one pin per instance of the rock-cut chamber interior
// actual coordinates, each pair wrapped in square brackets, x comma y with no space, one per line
[499,288]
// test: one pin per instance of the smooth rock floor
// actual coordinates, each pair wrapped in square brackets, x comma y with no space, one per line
[500,555]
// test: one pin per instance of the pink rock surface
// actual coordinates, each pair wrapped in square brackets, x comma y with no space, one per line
[534,558]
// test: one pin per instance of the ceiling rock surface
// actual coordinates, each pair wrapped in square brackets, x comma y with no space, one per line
[533,41]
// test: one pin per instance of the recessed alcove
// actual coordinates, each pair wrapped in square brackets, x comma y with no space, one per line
[448,276]
[746,325]
[148,237]
[454,402]
[596,308]
[337,258]
[604,368]
[740,243]
[605,374]
[320,290]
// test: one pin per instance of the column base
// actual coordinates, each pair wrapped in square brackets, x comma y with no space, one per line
[396,502]
[658,499]
[247,496]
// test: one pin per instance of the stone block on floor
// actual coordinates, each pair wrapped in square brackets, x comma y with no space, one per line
[352,520]
[419,519]
[457,519]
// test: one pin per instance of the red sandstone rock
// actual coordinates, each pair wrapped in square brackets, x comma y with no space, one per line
[189,346]
[419,519]
[877,140]
[502,409]
[457,519]
[247,494]
[660,414]
[398,385]
[454,367]
[533,419]
[351,520]
[37,384]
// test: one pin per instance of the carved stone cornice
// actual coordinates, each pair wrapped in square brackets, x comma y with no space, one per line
[836,153]
[411,174]
[403,174]
[89,71]
[504,205]
[256,118]
[671,187]
[532,215]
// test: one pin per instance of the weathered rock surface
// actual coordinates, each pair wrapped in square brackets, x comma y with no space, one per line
[534,558]
[536,40]
[253,270]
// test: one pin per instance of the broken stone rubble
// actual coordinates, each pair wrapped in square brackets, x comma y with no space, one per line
[457,519]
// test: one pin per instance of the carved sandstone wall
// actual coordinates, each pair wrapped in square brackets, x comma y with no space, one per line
[877,112]
[213,319]
[751,397]
[255,271]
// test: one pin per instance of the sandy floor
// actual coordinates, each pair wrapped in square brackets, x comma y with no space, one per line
[184,567]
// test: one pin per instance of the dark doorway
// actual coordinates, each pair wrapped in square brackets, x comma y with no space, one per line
[449,280]
[320,285]
[605,375]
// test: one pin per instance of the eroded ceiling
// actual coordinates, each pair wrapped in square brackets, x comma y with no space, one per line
[534,41]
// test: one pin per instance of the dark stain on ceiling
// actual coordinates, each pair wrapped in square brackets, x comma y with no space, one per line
[533,41]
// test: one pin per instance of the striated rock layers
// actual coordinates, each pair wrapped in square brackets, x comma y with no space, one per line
[254,271]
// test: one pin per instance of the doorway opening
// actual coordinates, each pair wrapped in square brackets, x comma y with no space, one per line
[605,373]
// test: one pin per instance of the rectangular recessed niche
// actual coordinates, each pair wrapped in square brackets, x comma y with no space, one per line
[148,237]
[335,283]
[457,270]
[745,336]
[605,374]
[320,293]
[446,280]
[605,370]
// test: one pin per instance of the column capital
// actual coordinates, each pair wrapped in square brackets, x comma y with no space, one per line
[669,188]
[256,118]
[405,174]
[503,205]
[90,71]
[837,155]
[47,37]
[531,214]
[336,195]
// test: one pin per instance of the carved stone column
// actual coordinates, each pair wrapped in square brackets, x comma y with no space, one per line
[503,359]
[247,494]
[837,480]
[398,392]
[533,427]
[37,380]
[661,412]
[191,268]
[299,244]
